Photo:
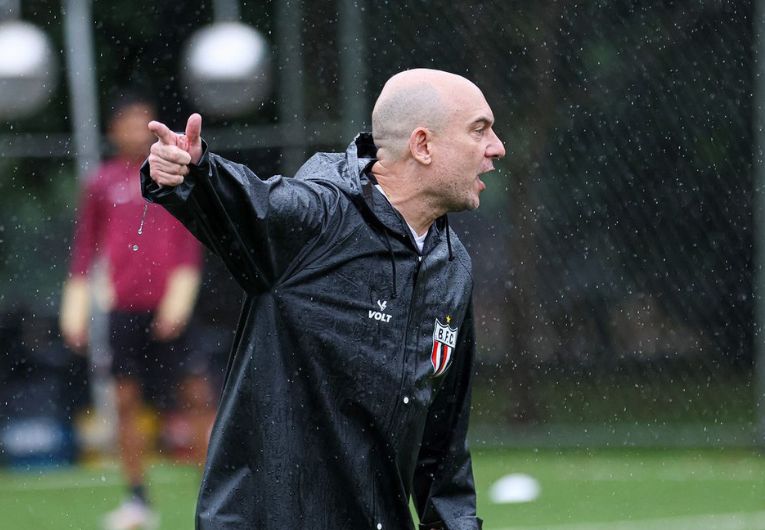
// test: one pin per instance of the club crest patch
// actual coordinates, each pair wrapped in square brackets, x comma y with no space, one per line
[444,341]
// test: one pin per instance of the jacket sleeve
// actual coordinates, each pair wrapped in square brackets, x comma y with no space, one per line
[258,227]
[444,491]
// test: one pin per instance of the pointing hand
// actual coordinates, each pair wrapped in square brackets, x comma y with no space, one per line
[172,153]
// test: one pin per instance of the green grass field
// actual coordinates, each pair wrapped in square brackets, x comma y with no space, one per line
[580,490]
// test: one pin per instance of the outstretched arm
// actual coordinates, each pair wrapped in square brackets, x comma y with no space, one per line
[260,228]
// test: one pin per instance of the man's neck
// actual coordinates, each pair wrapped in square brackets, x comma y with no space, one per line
[407,200]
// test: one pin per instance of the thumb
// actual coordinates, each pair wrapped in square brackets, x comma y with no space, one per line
[163,134]
[194,129]
[193,140]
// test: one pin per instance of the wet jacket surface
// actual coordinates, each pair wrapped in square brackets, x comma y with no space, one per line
[347,390]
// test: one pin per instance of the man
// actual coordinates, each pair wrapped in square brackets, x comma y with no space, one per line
[153,279]
[348,387]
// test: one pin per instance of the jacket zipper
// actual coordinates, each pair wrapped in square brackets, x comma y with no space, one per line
[406,342]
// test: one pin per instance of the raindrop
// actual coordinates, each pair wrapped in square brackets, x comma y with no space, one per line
[135,248]
[143,218]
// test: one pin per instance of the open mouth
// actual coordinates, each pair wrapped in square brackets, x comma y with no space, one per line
[490,168]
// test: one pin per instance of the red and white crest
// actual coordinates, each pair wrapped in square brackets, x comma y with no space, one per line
[444,341]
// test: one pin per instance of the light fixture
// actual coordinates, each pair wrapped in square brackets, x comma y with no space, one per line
[227,69]
[27,69]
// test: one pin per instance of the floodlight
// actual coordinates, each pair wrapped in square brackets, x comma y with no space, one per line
[27,69]
[227,68]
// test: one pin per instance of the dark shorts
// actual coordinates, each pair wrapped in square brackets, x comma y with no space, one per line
[159,367]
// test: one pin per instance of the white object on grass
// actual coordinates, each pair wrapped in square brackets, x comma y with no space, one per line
[132,515]
[514,488]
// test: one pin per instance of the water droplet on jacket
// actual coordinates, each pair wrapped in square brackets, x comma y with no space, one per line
[135,247]
[143,218]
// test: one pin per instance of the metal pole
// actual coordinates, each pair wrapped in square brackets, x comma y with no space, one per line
[353,74]
[10,9]
[291,101]
[759,220]
[83,96]
[81,74]
[226,10]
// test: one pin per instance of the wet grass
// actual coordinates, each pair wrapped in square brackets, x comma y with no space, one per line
[627,488]
[78,497]
[581,489]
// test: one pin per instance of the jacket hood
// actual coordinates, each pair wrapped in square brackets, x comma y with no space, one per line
[342,169]
[345,170]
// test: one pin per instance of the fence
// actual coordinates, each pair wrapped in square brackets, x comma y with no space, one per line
[614,249]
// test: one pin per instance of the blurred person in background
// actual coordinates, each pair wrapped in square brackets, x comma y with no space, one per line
[154,274]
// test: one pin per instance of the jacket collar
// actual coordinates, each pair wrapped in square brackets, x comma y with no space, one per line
[360,156]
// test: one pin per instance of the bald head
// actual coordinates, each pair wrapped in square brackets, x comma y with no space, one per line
[412,99]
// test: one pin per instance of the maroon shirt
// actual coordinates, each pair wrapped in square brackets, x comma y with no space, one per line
[110,213]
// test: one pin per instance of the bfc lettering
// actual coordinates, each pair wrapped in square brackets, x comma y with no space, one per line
[446,335]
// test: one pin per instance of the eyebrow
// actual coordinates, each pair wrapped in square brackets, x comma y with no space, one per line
[482,120]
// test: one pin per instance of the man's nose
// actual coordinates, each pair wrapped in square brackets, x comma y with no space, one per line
[496,148]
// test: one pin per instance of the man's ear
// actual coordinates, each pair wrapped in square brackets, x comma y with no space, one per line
[419,145]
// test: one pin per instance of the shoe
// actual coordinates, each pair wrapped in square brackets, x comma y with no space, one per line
[132,515]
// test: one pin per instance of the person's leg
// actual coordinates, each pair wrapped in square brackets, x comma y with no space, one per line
[132,442]
[204,365]
[129,339]
[179,388]
[197,402]
[130,344]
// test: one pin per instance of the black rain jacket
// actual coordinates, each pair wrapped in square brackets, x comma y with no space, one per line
[348,387]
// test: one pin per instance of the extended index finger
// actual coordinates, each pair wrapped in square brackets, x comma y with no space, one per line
[165,135]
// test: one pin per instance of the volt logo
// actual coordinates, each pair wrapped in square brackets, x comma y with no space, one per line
[379,315]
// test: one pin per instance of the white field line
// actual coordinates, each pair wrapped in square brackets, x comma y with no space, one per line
[671,476]
[59,483]
[691,471]
[721,521]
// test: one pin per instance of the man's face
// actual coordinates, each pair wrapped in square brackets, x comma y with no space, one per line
[466,148]
[129,132]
